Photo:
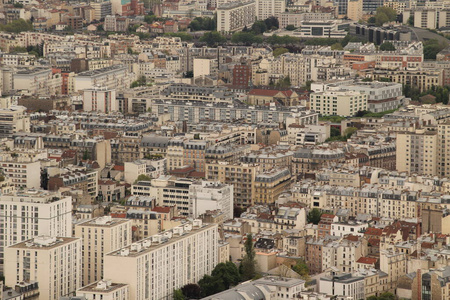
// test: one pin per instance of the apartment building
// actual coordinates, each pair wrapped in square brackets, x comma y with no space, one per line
[156,266]
[100,99]
[269,185]
[101,9]
[355,10]
[75,179]
[241,176]
[212,196]
[24,173]
[269,8]
[341,103]
[417,152]
[13,119]
[99,237]
[343,285]
[148,167]
[105,290]
[421,79]
[53,262]
[38,81]
[195,112]
[114,77]
[235,16]
[41,213]
[194,154]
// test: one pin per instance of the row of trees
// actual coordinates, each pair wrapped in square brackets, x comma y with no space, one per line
[383,15]
[441,93]
[226,275]
[17,26]
[204,23]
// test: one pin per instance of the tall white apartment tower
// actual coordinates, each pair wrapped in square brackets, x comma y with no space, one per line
[53,262]
[100,236]
[154,267]
[30,213]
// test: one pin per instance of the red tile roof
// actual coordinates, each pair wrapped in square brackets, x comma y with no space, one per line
[162,209]
[374,231]
[367,260]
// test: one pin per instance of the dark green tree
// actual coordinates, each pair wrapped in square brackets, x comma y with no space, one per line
[301,269]
[213,38]
[228,273]
[279,51]
[387,46]
[211,285]
[314,216]
[178,295]
[259,27]
[191,291]
[237,211]
[290,27]
[272,23]
[248,263]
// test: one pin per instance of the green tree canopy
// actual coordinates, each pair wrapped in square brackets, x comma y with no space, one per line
[387,46]
[213,38]
[279,51]
[337,46]
[259,27]
[290,27]
[301,269]
[142,177]
[314,216]
[191,291]
[246,38]
[178,295]
[248,263]
[17,26]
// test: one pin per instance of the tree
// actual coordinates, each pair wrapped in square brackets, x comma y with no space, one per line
[191,291]
[301,269]
[237,211]
[337,46]
[143,177]
[248,263]
[17,26]
[284,82]
[272,23]
[387,46]
[44,179]
[259,27]
[431,48]
[228,273]
[178,295]
[290,27]
[213,38]
[349,131]
[335,131]
[210,285]
[411,20]
[247,38]
[388,11]
[278,51]
[307,85]
[381,18]
[314,216]
[86,155]
[185,37]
